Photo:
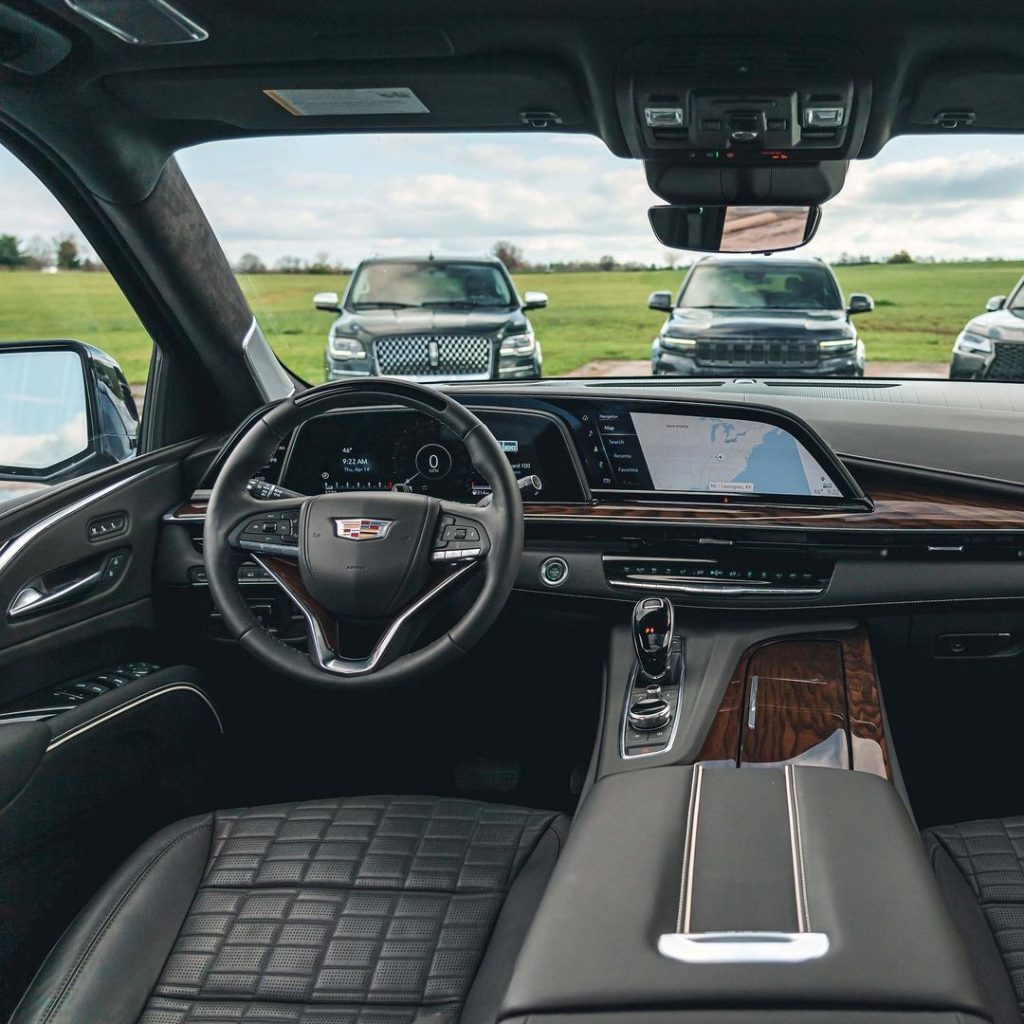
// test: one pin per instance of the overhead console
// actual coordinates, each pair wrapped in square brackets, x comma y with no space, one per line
[739,120]
[738,100]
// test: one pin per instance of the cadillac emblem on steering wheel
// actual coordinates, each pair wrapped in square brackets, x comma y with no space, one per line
[362,529]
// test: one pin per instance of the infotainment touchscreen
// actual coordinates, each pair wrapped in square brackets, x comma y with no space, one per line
[721,456]
[706,450]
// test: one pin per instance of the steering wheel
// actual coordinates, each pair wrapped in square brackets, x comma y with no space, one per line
[363,562]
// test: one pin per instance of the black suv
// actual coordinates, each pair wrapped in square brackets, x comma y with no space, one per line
[764,317]
[432,319]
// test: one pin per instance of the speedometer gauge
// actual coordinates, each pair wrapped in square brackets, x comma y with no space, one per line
[428,460]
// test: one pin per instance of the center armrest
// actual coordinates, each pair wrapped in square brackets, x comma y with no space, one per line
[819,874]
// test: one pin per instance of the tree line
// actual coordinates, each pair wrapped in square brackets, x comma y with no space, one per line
[38,253]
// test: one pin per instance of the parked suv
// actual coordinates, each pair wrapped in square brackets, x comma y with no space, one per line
[432,319]
[765,317]
[991,346]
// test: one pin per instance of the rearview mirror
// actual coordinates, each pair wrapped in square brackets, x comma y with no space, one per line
[860,303]
[996,302]
[754,229]
[327,301]
[65,410]
[535,300]
[661,301]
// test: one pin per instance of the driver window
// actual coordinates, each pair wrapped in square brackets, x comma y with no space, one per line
[74,357]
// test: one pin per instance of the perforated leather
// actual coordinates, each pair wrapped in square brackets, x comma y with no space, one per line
[990,856]
[337,911]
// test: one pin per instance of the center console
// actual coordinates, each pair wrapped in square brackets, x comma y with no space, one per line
[745,853]
[696,892]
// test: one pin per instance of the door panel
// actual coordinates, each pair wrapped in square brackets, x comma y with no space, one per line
[71,558]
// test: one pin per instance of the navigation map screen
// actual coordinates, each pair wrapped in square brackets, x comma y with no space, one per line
[727,456]
[714,455]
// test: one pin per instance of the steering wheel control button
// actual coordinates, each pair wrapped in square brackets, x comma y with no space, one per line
[554,571]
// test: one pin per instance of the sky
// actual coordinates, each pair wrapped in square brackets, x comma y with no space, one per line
[558,197]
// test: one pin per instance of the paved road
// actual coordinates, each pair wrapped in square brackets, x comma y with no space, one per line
[636,368]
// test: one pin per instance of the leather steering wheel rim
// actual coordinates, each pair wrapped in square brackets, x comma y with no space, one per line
[231,504]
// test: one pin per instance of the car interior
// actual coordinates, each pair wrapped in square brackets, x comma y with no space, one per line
[569,700]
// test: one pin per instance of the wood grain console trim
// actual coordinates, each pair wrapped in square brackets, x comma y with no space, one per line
[802,700]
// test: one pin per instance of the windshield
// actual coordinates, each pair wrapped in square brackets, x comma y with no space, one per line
[751,287]
[429,283]
[912,250]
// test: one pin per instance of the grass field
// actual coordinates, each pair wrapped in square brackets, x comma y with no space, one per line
[919,310]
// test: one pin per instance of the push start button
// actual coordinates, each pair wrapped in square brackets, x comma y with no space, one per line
[554,572]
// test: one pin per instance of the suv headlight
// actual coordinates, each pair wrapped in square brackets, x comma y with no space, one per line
[837,346]
[344,347]
[970,343]
[523,344]
[678,344]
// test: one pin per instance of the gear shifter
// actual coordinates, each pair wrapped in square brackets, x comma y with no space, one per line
[652,635]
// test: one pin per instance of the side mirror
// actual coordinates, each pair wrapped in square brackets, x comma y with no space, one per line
[996,302]
[535,300]
[759,229]
[860,303]
[661,301]
[65,410]
[327,301]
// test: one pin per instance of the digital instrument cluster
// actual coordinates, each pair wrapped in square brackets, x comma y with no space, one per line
[403,450]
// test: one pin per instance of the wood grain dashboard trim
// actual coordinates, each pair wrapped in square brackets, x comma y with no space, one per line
[908,509]
[811,700]
[917,505]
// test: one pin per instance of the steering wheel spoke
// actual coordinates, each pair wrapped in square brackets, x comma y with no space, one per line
[326,630]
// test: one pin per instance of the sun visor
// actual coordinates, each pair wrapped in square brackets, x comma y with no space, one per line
[982,94]
[429,94]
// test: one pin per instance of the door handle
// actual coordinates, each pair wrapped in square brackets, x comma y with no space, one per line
[30,601]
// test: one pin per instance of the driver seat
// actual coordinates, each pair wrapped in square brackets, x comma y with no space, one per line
[395,910]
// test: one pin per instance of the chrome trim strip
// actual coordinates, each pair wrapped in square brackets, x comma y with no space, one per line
[328,660]
[744,947]
[129,705]
[719,589]
[17,544]
[690,852]
[803,916]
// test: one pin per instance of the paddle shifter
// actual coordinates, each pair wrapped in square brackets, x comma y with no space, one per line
[653,695]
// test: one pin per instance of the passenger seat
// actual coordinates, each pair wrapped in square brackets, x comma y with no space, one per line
[980,869]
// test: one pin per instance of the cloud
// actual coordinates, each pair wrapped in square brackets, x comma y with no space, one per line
[558,197]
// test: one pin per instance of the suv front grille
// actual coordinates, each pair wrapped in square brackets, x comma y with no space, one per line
[1008,363]
[434,355]
[755,352]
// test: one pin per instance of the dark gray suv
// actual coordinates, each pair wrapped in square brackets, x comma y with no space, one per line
[431,319]
[763,317]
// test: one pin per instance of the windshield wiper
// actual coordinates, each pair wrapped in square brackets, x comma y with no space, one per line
[383,305]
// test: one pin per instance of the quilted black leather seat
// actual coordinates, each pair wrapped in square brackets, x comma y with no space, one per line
[980,868]
[395,910]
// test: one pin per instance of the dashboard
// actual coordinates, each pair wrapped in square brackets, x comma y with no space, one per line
[721,495]
[578,448]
